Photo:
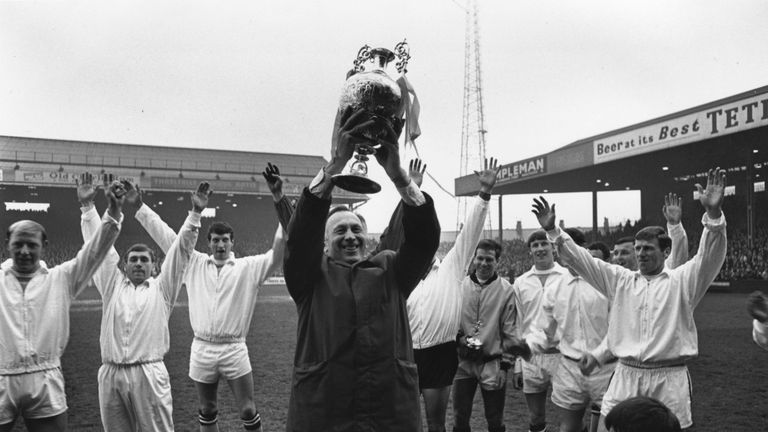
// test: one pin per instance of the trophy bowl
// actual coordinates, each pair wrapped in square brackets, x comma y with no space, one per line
[377,93]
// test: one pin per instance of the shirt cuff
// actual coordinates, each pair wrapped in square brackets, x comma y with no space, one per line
[411,194]
[110,219]
[713,224]
[142,212]
[88,211]
[675,227]
[320,184]
[194,218]
[555,234]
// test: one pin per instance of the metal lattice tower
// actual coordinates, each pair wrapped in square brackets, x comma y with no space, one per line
[472,124]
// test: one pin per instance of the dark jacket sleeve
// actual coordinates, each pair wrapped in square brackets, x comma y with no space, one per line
[284,211]
[421,231]
[392,237]
[304,252]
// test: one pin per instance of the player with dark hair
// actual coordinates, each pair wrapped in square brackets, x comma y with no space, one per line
[641,414]
[486,334]
[599,250]
[34,318]
[222,292]
[652,348]
[134,386]
[434,306]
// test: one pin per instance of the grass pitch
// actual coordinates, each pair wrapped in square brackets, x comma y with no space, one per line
[730,377]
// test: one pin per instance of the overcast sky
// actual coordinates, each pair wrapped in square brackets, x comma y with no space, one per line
[266,75]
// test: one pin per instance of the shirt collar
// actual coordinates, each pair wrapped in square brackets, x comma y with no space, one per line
[664,273]
[230,259]
[488,282]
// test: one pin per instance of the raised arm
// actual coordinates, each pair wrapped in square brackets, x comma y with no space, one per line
[178,255]
[460,255]
[80,270]
[700,272]
[421,229]
[599,274]
[282,203]
[392,237]
[160,232]
[304,249]
[673,213]
[108,272]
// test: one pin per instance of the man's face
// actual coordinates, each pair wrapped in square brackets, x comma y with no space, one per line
[138,266]
[542,252]
[345,237]
[220,246]
[650,257]
[624,255]
[25,247]
[485,263]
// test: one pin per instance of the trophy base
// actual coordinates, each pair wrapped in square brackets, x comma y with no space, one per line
[356,183]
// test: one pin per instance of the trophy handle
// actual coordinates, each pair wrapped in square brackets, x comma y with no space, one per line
[403,53]
[363,55]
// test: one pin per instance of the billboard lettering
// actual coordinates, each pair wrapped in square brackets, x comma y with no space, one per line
[725,119]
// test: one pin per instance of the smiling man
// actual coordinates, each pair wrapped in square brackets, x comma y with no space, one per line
[486,332]
[34,318]
[354,368]
[531,288]
[651,328]
[134,386]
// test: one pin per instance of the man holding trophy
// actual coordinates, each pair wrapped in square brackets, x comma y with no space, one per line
[354,366]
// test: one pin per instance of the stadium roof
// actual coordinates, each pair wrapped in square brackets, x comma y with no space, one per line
[729,132]
[57,162]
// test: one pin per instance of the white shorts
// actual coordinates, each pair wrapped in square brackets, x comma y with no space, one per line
[573,391]
[208,361]
[538,372]
[135,398]
[670,385]
[33,395]
[486,373]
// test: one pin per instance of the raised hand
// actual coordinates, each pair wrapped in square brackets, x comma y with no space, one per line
[115,197]
[544,213]
[86,190]
[757,306]
[416,171]
[673,208]
[712,196]
[348,131]
[487,176]
[200,197]
[388,154]
[132,195]
[274,181]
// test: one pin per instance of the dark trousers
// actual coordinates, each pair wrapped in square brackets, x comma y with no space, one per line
[493,402]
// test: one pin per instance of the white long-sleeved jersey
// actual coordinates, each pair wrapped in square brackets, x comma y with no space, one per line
[434,306]
[221,303]
[530,294]
[651,319]
[134,321]
[34,322]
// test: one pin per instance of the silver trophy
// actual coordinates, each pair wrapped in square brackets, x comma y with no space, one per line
[372,89]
